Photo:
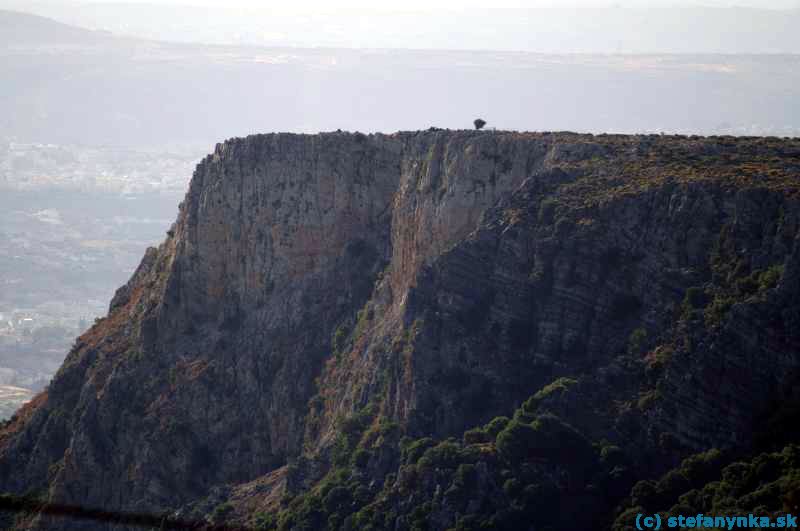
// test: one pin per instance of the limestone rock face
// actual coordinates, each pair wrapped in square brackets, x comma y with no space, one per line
[441,277]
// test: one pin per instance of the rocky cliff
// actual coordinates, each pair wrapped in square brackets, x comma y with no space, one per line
[333,322]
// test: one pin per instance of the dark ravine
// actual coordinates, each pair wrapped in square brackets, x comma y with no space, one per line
[440,330]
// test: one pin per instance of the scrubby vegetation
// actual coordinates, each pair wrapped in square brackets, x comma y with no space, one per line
[532,471]
[508,473]
[709,483]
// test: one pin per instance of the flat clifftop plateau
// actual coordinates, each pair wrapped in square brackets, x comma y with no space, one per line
[329,309]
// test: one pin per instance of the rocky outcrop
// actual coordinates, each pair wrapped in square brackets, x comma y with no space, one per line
[434,280]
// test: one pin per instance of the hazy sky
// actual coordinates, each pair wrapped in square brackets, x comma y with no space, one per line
[446,24]
[457,4]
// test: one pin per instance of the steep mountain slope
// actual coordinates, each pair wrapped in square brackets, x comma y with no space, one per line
[329,309]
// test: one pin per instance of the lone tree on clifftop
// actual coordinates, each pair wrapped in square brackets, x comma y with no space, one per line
[479,123]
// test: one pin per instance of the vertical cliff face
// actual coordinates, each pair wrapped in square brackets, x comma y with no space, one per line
[437,280]
[208,356]
[279,236]
[446,184]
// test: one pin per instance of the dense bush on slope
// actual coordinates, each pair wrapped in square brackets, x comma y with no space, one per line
[765,485]
[534,470]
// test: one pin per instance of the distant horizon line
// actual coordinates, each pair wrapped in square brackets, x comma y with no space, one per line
[416,9]
[333,47]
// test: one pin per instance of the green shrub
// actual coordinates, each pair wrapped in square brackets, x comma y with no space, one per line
[477,436]
[759,281]
[671,486]
[661,357]
[407,480]
[695,299]
[715,312]
[644,493]
[361,458]
[446,454]
[350,430]
[556,388]
[647,399]
[769,278]
[355,424]
[466,475]
[266,522]
[548,438]
[746,286]
[512,487]
[611,456]
[336,499]
[515,440]
[637,342]
[339,339]
[419,517]
[625,520]
[760,485]
[496,425]
[221,513]
[703,467]
[412,450]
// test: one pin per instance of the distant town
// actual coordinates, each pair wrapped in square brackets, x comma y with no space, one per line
[74,222]
[28,166]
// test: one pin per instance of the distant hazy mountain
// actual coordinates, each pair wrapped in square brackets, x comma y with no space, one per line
[22,29]
[543,30]
[141,93]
